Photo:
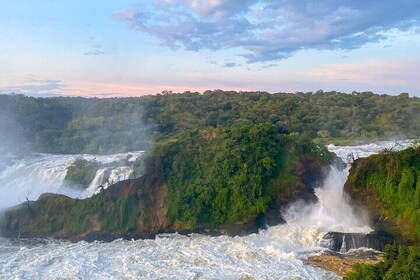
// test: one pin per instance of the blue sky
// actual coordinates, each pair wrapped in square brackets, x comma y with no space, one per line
[131,48]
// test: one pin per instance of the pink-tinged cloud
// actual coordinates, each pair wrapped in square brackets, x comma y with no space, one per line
[121,90]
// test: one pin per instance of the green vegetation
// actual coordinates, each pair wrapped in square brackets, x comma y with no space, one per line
[57,214]
[392,181]
[389,183]
[220,175]
[79,125]
[400,262]
[81,172]
[112,213]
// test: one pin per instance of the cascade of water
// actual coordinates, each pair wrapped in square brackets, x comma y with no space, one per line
[332,212]
[29,177]
[343,249]
[98,181]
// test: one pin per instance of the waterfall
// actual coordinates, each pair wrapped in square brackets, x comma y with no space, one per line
[30,176]
[343,248]
[332,212]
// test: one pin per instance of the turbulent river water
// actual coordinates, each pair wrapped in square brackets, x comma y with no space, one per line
[276,253]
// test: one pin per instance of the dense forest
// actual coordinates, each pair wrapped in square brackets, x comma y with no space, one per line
[80,125]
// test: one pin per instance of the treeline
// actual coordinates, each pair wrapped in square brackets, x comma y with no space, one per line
[315,115]
[80,125]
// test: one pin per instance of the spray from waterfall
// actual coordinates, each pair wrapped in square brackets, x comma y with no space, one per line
[332,212]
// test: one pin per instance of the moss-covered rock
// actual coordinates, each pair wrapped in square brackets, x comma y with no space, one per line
[81,172]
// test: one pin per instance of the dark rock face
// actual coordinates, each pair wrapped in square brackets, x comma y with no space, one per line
[342,242]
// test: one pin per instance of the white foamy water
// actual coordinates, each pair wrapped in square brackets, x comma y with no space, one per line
[166,257]
[276,253]
[30,176]
[366,150]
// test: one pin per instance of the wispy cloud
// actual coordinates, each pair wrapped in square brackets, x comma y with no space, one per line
[37,87]
[231,65]
[268,30]
[269,65]
[94,52]
[373,74]
[96,49]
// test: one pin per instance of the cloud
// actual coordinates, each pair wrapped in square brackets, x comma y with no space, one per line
[269,65]
[94,52]
[231,65]
[37,87]
[95,48]
[268,30]
[398,75]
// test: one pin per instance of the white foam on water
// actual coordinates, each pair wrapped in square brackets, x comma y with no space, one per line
[167,257]
[361,151]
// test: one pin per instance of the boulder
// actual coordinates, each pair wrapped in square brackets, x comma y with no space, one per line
[343,242]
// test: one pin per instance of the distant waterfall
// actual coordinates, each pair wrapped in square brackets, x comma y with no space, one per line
[30,176]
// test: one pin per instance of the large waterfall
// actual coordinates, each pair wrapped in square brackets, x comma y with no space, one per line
[275,253]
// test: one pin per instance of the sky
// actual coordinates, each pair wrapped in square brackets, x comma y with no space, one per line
[131,48]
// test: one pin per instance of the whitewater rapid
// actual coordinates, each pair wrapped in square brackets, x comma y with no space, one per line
[26,178]
[276,253]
